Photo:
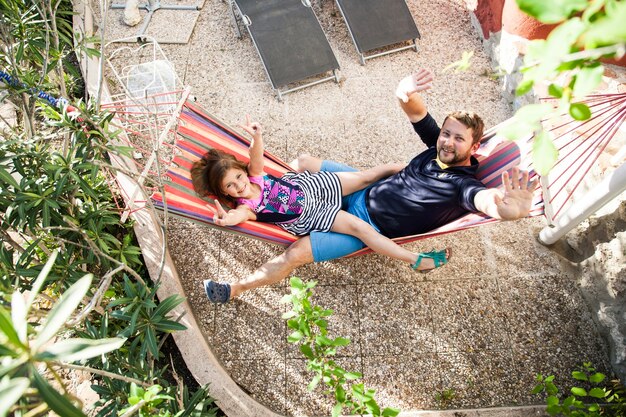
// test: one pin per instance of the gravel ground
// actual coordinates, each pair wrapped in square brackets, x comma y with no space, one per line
[479,329]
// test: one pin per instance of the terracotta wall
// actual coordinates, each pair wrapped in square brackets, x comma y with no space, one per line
[496,15]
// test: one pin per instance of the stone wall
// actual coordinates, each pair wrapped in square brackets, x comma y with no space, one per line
[596,249]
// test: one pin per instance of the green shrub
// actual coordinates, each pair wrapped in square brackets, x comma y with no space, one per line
[591,399]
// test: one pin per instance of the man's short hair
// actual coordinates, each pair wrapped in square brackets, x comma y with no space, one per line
[470,120]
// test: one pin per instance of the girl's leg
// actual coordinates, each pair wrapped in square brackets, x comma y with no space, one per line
[351,225]
[355,181]
[306,162]
[350,181]
[276,269]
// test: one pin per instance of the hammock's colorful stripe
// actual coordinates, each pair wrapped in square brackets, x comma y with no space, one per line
[198,132]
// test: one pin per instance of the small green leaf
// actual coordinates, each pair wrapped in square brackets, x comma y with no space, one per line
[11,391]
[568,401]
[323,341]
[579,111]
[293,324]
[341,341]
[372,407]
[18,316]
[307,351]
[340,393]
[516,130]
[608,29]
[461,65]
[289,314]
[579,392]
[57,402]
[555,90]
[135,390]
[390,412]
[41,278]
[167,305]
[322,324]
[538,388]
[533,113]
[552,11]
[597,378]
[524,87]
[287,298]
[152,342]
[7,178]
[314,382]
[587,79]
[72,350]
[598,393]
[62,310]
[581,376]
[295,337]
[337,409]
[353,375]
[551,389]
[545,154]
[296,282]
[552,400]
[593,408]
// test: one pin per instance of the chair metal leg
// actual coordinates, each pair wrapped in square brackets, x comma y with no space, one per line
[233,15]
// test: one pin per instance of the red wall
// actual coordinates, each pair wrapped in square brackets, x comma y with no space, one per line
[495,15]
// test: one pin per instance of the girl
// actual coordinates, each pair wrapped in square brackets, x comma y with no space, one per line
[298,202]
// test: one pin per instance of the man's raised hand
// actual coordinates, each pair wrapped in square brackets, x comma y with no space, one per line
[518,195]
[414,83]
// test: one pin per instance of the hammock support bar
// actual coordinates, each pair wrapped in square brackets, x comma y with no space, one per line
[613,185]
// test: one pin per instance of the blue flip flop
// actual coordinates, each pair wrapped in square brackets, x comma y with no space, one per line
[439,257]
[217,292]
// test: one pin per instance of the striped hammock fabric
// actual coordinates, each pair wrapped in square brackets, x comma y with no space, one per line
[198,131]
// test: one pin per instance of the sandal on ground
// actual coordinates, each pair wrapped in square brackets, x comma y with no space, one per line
[217,292]
[439,257]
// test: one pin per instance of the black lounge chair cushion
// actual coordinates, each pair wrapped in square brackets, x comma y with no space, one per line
[289,39]
[378,23]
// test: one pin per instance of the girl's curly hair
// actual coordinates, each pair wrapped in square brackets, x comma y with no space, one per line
[208,172]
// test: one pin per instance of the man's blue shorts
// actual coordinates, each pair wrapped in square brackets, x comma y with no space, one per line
[331,245]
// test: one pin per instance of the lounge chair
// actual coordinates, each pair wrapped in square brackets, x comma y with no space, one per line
[375,24]
[289,40]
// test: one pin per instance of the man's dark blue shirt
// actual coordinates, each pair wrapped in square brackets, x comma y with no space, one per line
[423,196]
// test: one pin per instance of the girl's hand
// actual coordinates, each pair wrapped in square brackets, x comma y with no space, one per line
[253,128]
[219,214]
[232,217]
[255,167]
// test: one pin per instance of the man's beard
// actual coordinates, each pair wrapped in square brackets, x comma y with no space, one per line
[453,159]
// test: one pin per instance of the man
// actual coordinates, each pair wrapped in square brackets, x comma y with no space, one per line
[436,187]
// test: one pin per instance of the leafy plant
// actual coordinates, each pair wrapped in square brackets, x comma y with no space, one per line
[59,228]
[445,397]
[309,326]
[585,401]
[32,348]
[587,31]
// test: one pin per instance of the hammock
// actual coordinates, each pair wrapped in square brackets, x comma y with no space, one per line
[579,144]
